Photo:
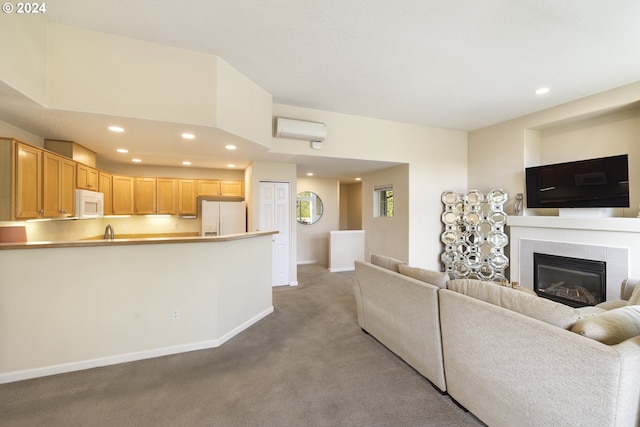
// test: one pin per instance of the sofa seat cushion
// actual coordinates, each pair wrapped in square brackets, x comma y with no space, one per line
[437,278]
[524,303]
[611,327]
[386,262]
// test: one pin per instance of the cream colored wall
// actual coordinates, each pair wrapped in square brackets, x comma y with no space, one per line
[70,68]
[172,172]
[9,131]
[313,239]
[23,43]
[351,206]
[437,160]
[243,108]
[499,154]
[69,314]
[387,236]
[102,73]
[609,135]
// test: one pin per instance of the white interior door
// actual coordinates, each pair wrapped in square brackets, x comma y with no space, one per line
[274,215]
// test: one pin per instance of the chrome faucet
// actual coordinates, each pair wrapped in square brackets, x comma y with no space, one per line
[109,233]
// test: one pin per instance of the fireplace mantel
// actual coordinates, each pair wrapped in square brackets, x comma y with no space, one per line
[627,225]
[614,240]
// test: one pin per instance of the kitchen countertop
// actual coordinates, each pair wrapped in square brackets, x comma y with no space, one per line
[133,241]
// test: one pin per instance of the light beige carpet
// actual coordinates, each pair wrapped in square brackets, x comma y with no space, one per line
[307,364]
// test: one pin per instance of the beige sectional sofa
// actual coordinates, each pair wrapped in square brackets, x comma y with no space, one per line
[509,357]
[402,313]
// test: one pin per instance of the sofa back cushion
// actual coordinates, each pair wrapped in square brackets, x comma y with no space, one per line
[530,305]
[386,262]
[611,327]
[437,278]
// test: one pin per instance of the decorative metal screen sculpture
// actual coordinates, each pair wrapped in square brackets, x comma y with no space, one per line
[473,236]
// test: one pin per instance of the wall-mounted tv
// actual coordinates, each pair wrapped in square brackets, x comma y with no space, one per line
[593,183]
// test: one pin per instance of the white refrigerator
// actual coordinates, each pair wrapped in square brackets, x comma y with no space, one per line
[219,218]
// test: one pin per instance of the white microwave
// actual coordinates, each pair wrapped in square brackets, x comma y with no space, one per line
[89,204]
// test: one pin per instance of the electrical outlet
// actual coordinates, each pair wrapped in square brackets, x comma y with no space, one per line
[124,226]
[175,314]
[84,230]
[175,225]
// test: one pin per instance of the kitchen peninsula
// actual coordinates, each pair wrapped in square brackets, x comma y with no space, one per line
[67,306]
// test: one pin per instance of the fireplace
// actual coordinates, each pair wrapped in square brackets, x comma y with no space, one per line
[572,281]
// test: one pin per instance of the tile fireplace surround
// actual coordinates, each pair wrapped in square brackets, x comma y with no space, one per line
[613,240]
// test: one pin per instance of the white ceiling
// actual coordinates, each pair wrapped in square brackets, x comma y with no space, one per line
[456,64]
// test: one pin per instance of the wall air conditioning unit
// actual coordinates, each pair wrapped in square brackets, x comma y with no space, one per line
[302,130]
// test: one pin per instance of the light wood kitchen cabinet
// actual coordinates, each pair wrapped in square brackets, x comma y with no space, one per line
[187,197]
[166,190]
[122,198]
[39,183]
[28,179]
[155,196]
[231,189]
[145,196]
[104,186]
[87,177]
[207,187]
[58,186]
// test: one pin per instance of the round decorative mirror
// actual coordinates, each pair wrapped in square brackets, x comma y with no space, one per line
[309,208]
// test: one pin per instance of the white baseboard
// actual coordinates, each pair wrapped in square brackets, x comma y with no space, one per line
[308,261]
[129,357]
[339,269]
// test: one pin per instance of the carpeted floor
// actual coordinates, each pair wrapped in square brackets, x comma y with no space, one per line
[307,364]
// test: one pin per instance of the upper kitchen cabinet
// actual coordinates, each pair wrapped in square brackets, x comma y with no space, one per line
[87,177]
[166,191]
[216,188]
[58,186]
[231,189]
[27,175]
[207,187]
[145,196]
[34,183]
[155,196]
[104,186]
[122,198]
[187,197]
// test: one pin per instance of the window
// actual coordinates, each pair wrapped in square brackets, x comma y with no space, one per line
[383,202]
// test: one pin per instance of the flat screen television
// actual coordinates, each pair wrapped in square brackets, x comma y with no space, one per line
[593,183]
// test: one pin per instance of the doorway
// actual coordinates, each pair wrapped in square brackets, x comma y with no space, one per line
[273,214]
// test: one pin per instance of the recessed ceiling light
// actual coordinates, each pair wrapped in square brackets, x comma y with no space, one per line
[358,179]
[136,160]
[230,147]
[186,163]
[542,91]
[116,129]
[309,173]
[122,150]
[231,165]
[188,135]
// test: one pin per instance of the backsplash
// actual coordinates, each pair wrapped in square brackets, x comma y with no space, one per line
[70,230]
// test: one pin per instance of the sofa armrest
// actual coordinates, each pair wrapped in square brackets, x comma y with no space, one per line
[510,369]
[402,313]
